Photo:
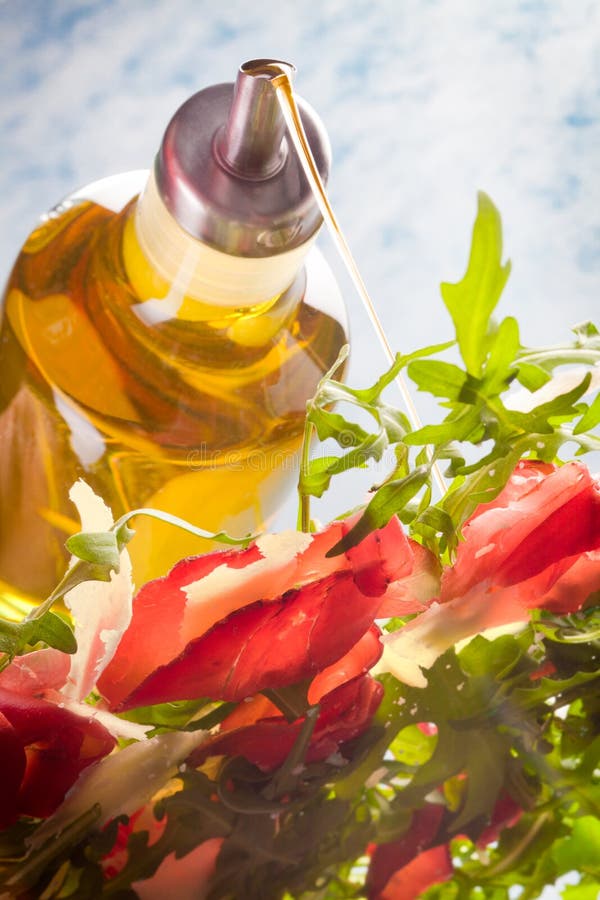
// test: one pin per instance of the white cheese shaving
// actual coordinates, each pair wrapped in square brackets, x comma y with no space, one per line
[226,589]
[101,609]
[121,783]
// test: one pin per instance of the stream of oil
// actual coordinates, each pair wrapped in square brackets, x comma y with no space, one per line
[285,93]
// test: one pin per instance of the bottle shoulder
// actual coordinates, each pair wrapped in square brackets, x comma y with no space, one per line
[83,256]
[64,231]
[74,316]
[113,192]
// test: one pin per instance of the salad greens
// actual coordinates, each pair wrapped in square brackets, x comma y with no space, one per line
[511,719]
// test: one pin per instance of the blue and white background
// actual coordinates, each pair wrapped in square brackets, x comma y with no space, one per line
[425,101]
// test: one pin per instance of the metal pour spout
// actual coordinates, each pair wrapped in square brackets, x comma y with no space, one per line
[227,172]
[252,143]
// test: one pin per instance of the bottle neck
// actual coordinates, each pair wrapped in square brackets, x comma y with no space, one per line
[176,275]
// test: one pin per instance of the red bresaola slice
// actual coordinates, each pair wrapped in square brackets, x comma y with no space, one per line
[265,645]
[57,745]
[415,591]
[12,762]
[382,557]
[172,613]
[361,657]
[432,866]
[344,714]
[403,869]
[153,637]
[540,521]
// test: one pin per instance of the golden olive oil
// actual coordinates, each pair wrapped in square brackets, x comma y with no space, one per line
[198,411]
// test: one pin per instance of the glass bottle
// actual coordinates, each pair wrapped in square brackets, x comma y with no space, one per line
[160,340]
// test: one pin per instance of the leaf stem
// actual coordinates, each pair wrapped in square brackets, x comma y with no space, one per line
[560,354]
[285,778]
[304,496]
[28,871]
[506,864]
[68,581]
[292,700]
[220,536]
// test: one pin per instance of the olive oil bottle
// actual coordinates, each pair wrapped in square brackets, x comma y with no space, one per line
[161,339]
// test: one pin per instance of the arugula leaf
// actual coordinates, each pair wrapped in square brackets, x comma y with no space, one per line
[580,850]
[369,396]
[181,715]
[472,300]
[332,425]
[504,346]
[532,377]
[591,417]
[391,497]
[441,379]
[17,637]
[99,547]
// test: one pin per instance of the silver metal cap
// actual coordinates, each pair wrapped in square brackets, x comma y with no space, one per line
[227,173]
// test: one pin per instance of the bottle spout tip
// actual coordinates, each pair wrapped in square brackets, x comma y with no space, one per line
[270,69]
[252,143]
